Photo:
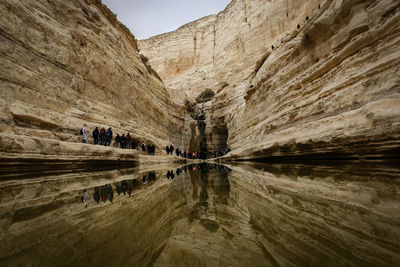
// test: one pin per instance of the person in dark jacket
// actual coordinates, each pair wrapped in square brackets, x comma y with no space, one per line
[143,146]
[118,139]
[123,141]
[95,135]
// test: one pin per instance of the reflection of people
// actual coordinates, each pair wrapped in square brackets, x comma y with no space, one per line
[129,188]
[104,193]
[152,176]
[84,198]
[110,193]
[96,195]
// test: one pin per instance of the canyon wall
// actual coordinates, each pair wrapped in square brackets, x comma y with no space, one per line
[65,63]
[329,86]
[224,48]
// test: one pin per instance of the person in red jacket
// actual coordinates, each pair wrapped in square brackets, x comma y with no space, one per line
[128,141]
[103,136]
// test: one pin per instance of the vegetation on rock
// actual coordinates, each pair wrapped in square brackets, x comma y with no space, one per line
[205,96]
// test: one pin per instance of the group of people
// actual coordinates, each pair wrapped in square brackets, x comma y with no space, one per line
[170,149]
[104,137]
[151,149]
[125,141]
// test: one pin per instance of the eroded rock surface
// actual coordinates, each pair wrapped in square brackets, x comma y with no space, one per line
[328,88]
[65,63]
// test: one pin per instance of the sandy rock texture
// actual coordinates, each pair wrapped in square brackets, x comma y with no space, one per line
[65,63]
[258,215]
[328,88]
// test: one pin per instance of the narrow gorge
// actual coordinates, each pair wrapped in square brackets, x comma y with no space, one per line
[284,116]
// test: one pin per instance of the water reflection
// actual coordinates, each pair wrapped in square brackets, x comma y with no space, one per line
[205,214]
[105,192]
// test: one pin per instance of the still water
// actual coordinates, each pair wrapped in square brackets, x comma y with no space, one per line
[204,215]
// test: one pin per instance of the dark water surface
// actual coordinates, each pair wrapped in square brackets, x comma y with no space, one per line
[251,214]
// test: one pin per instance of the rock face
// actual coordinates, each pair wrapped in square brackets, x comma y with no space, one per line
[292,78]
[65,63]
[329,87]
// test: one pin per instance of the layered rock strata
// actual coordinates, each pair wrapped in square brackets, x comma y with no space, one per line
[272,214]
[68,63]
[329,86]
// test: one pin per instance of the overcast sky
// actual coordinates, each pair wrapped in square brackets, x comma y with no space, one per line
[146,18]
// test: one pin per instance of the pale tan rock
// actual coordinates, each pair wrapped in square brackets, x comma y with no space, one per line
[329,88]
[68,63]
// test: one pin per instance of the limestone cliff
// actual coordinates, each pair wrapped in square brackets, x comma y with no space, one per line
[65,63]
[306,78]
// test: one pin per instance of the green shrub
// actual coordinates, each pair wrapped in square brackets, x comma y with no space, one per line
[205,96]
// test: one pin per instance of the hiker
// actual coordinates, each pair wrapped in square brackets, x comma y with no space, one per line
[128,141]
[167,149]
[184,154]
[171,149]
[95,135]
[108,136]
[84,134]
[103,136]
[143,146]
[118,139]
[177,152]
[123,141]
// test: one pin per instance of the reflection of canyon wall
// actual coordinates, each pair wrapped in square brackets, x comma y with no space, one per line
[69,62]
[269,215]
[329,215]
[330,87]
